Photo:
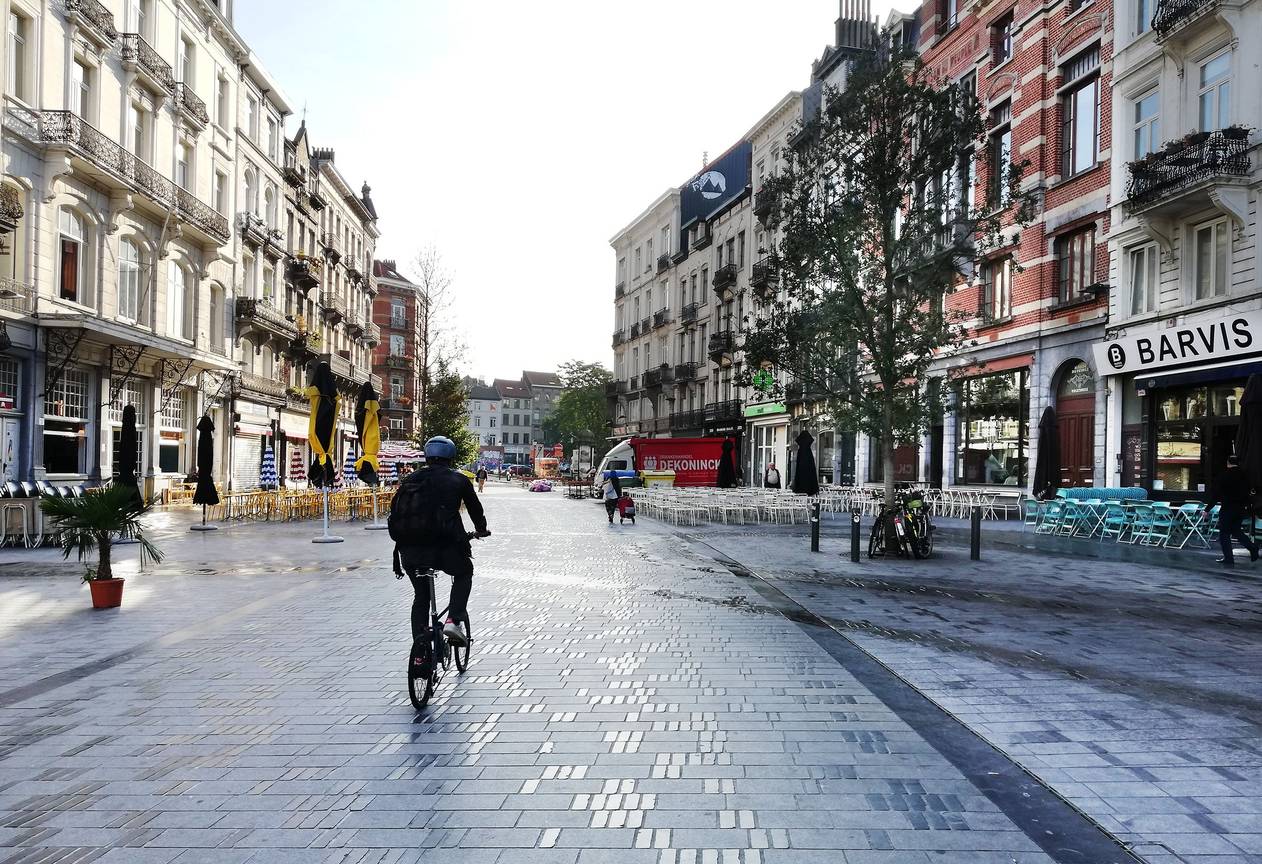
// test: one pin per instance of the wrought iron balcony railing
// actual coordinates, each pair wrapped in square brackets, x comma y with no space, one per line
[138,55]
[681,420]
[331,251]
[620,289]
[634,385]
[723,412]
[663,262]
[304,272]
[635,331]
[95,16]
[688,314]
[333,308]
[685,372]
[400,361]
[619,337]
[191,105]
[764,204]
[253,229]
[354,325]
[263,385]
[655,378]
[261,315]
[661,318]
[16,296]
[11,209]
[724,277]
[611,388]
[721,344]
[763,276]
[1173,15]
[1201,156]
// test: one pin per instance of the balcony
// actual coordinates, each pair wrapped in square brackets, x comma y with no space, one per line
[661,318]
[140,57]
[764,205]
[702,237]
[328,242]
[191,106]
[115,166]
[724,412]
[354,326]
[263,386]
[685,372]
[1176,17]
[1181,175]
[11,209]
[340,367]
[274,244]
[724,278]
[685,420]
[333,309]
[620,289]
[688,314]
[94,19]
[396,405]
[304,272]
[372,334]
[763,278]
[400,361]
[646,326]
[398,322]
[663,262]
[253,229]
[304,347]
[353,273]
[370,284]
[619,337]
[635,331]
[721,346]
[314,194]
[16,297]
[655,379]
[611,389]
[634,385]
[261,318]
[295,175]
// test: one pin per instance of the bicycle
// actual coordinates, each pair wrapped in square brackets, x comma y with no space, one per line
[424,678]
[909,516]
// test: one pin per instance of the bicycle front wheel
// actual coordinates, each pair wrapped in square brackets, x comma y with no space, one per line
[421,686]
[461,652]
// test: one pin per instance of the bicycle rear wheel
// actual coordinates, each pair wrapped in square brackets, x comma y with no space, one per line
[461,653]
[876,541]
[420,687]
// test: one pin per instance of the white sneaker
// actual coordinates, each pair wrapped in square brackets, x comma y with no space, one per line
[455,633]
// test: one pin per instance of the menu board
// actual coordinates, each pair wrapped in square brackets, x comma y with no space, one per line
[1133,455]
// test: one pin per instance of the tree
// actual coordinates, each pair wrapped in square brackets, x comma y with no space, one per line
[95,522]
[877,225]
[446,410]
[580,412]
[440,343]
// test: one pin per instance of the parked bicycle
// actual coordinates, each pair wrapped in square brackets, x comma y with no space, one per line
[908,518]
[425,676]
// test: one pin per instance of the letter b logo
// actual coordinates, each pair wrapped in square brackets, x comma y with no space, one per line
[1117,357]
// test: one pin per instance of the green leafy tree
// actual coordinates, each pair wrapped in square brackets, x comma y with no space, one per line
[580,412]
[446,410]
[876,226]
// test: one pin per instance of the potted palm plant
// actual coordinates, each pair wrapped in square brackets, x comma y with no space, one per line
[91,524]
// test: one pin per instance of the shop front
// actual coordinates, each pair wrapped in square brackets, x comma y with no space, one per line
[1179,410]
[992,428]
[768,431]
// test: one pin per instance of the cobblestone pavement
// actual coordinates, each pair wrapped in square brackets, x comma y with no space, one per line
[629,701]
[1134,691]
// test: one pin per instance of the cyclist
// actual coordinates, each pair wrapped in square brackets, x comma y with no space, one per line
[428,532]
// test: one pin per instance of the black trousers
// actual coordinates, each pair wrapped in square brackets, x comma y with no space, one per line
[1228,527]
[454,562]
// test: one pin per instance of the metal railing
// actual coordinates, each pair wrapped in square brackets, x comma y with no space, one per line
[763,275]
[11,209]
[331,251]
[661,317]
[135,50]
[252,227]
[721,343]
[1199,157]
[96,15]
[262,384]
[693,419]
[16,296]
[333,307]
[261,311]
[655,378]
[703,237]
[688,314]
[399,361]
[764,204]
[685,371]
[304,272]
[663,262]
[618,338]
[191,104]
[635,331]
[1173,15]
[720,412]
[724,277]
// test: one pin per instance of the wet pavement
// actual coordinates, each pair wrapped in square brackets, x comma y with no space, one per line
[636,694]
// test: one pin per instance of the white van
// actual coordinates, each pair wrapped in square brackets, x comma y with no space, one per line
[620,458]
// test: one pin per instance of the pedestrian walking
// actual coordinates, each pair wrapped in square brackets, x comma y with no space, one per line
[771,477]
[481,475]
[1231,492]
[612,492]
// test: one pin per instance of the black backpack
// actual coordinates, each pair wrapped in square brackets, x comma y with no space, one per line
[416,519]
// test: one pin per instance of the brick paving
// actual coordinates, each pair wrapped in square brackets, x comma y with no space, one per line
[629,701]
[1134,691]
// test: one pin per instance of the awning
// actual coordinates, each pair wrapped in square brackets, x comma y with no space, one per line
[986,367]
[295,426]
[1201,375]
[251,429]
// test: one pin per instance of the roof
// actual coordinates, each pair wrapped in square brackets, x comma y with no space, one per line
[542,379]
[512,389]
[388,269]
[482,391]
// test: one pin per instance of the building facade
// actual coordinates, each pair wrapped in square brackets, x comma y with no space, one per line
[484,412]
[399,314]
[515,420]
[545,388]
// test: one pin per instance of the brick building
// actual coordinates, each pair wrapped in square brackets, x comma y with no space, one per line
[399,311]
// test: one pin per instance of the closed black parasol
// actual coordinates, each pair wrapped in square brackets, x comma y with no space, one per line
[1047,468]
[727,465]
[206,493]
[805,476]
[323,396]
[127,446]
[1249,435]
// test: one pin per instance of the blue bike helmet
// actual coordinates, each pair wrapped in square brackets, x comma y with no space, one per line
[439,447]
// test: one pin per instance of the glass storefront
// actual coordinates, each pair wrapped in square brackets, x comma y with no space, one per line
[993,417]
[1195,433]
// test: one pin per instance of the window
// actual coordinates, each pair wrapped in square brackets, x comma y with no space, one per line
[252,117]
[269,284]
[1143,264]
[740,249]
[666,240]
[396,425]
[993,427]
[216,318]
[249,276]
[177,308]
[1075,263]
[251,193]
[17,75]
[139,132]
[1214,93]
[184,166]
[396,387]
[1000,151]
[71,234]
[1146,124]
[638,259]
[997,290]
[398,313]
[1001,40]
[221,193]
[187,62]
[1143,16]
[66,432]
[81,89]
[492,420]
[128,280]
[952,13]
[1209,253]
[1080,113]
[11,382]
[396,345]
[269,207]
[1075,5]
[222,111]
[648,256]
[272,138]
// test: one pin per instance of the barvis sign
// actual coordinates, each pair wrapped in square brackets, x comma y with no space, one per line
[1226,338]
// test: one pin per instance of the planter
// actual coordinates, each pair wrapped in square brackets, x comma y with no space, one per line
[1235,133]
[106,593]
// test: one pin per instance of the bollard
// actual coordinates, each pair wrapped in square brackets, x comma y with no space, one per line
[854,536]
[814,526]
[975,535]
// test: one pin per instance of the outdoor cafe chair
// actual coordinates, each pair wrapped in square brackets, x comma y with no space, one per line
[1190,523]
[1141,522]
[1211,524]
[1115,522]
[1159,527]
[1032,512]
[1049,521]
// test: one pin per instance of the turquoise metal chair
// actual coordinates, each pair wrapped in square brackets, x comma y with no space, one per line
[1032,513]
[1161,527]
[1049,522]
[1141,522]
[1116,522]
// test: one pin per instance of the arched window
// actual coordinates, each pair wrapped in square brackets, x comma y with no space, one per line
[70,226]
[128,280]
[1077,380]
[177,305]
[251,193]
[269,205]
[216,319]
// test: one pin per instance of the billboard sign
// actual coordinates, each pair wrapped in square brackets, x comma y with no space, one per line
[722,181]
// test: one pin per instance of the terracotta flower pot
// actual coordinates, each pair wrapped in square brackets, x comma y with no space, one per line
[106,593]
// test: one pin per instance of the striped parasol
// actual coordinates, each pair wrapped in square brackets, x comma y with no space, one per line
[297,464]
[391,471]
[348,468]
[267,472]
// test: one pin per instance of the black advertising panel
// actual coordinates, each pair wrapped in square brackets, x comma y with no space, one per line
[717,186]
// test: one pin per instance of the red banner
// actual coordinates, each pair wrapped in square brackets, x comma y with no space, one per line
[695,461]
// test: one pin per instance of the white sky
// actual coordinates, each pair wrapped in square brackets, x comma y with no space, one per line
[518,137]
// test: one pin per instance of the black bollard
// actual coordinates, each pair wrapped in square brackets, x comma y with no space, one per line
[854,536]
[814,526]
[975,535]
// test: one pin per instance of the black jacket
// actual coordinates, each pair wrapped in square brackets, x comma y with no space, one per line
[1231,489]
[444,490]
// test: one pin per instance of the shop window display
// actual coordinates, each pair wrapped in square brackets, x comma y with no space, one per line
[1196,430]
[993,420]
